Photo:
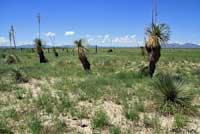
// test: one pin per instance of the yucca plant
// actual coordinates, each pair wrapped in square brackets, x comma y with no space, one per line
[40,52]
[142,51]
[158,34]
[170,96]
[81,53]
[55,52]
[52,39]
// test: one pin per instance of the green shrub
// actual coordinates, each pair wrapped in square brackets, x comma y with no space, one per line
[100,120]
[19,76]
[11,59]
[169,95]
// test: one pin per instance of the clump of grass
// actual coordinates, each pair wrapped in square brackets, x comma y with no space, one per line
[3,55]
[7,86]
[11,113]
[180,121]
[11,59]
[197,72]
[169,95]
[4,128]
[131,113]
[65,102]
[60,125]
[44,101]
[19,76]
[100,120]
[139,106]
[115,130]
[34,124]
[153,122]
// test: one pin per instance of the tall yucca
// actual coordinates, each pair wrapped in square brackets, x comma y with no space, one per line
[81,53]
[157,36]
[40,52]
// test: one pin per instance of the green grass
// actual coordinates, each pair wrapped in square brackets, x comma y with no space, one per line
[180,121]
[100,120]
[60,90]
[34,124]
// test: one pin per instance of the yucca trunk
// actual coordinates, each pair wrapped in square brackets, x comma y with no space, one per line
[55,52]
[83,59]
[142,51]
[154,55]
[41,55]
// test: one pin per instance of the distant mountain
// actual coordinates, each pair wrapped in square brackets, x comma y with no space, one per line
[33,46]
[186,45]
[172,45]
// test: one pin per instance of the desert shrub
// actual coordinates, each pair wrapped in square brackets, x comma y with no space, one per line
[99,120]
[34,124]
[11,59]
[19,76]
[180,121]
[115,130]
[169,95]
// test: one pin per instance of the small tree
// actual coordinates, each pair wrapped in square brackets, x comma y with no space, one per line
[40,52]
[157,36]
[81,53]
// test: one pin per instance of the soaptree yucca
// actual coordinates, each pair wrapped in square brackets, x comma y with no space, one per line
[40,52]
[81,53]
[158,34]
[170,95]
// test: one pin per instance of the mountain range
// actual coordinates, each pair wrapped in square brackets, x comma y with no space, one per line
[171,45]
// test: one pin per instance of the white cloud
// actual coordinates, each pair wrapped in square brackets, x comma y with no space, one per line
[50,34]
[108,40]
[69,33]
[3,41]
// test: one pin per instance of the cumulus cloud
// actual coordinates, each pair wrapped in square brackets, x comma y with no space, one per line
[69,33]
[3,41]
[50,34]
[108,40]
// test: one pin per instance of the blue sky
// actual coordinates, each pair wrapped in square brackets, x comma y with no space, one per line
[103,22]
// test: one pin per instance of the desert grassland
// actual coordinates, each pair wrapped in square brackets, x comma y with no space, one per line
[113,98]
